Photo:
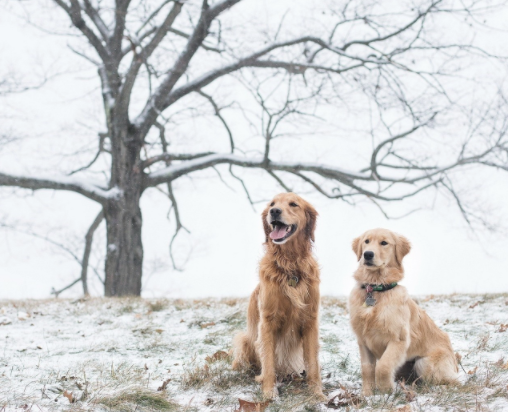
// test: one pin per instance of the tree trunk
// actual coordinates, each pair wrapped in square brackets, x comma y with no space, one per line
[124,255]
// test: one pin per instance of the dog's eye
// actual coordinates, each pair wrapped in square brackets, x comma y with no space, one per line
[293,204]
[384,243]
[367,241]
[271,204]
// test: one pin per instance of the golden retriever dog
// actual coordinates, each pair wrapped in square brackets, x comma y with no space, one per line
[390,327]
[282,319]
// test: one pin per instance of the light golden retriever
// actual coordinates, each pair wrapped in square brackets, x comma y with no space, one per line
[390,327]
[282,319]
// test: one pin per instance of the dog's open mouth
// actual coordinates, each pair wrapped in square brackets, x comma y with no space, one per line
[281,231]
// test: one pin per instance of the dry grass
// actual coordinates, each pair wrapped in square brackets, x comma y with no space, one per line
[137,399]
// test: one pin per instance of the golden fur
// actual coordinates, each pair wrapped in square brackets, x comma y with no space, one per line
[395,330]
[282,320]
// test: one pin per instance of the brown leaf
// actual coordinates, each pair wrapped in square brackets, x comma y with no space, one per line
[472,371]
[246,406]
[164,385]
[474,305]
[206,325]
[69,396]
[344,398]
[505,366]
[410,393]
[159,330]
[503,327]
[405,408]
[219,355]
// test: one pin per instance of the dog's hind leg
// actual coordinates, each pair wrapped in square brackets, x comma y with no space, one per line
[439,367]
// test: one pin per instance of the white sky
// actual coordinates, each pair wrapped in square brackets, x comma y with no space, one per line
[226,234]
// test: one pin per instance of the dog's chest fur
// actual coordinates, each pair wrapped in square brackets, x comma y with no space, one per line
[377,325]
[288,309]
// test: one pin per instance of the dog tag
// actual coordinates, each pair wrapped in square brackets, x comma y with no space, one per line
[370,301]
[293,281]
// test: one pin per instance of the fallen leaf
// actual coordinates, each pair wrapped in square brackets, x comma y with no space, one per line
[206,325]
[472,371]
[474,305]
[69,396]
[505,366]
[503,327]
[159,330]
[405,408]
[164,385]
[146,367]
[408,392]
[219,355]
[208,401]
[182,320]
[246,406]
[344,398]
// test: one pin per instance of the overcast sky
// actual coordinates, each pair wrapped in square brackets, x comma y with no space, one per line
[221,253]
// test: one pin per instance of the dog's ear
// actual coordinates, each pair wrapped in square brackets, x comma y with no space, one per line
[266,226]
[402,248]
[311,217]
[357,248]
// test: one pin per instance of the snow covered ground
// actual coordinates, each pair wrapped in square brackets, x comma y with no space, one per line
[138,354]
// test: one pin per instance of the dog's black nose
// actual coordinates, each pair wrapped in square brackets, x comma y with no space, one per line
[368,255]
[275,212]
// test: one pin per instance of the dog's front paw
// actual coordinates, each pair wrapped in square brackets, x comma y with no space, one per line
[319,395]
[270,392]
[367,391]
[386,386]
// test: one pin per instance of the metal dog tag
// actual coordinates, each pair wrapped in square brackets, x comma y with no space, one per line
[293,281]
[370,301]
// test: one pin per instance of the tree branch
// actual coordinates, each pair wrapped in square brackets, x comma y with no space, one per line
[87,189]
[155,104]
[88,249]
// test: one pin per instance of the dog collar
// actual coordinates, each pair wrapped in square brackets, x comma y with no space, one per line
[369,288]
[378,288]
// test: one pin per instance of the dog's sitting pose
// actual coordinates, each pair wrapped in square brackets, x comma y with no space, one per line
[390,327]
[282,319]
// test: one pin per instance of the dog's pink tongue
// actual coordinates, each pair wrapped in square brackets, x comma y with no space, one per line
[278,233]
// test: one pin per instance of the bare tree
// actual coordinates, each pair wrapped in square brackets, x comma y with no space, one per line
[177,51]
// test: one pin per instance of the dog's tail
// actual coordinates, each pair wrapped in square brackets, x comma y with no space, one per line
[243,351]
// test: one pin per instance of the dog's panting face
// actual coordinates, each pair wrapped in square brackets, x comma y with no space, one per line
[287,216]
[380,248]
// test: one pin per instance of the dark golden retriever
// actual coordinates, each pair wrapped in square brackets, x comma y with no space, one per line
[282,320]
[391,328]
